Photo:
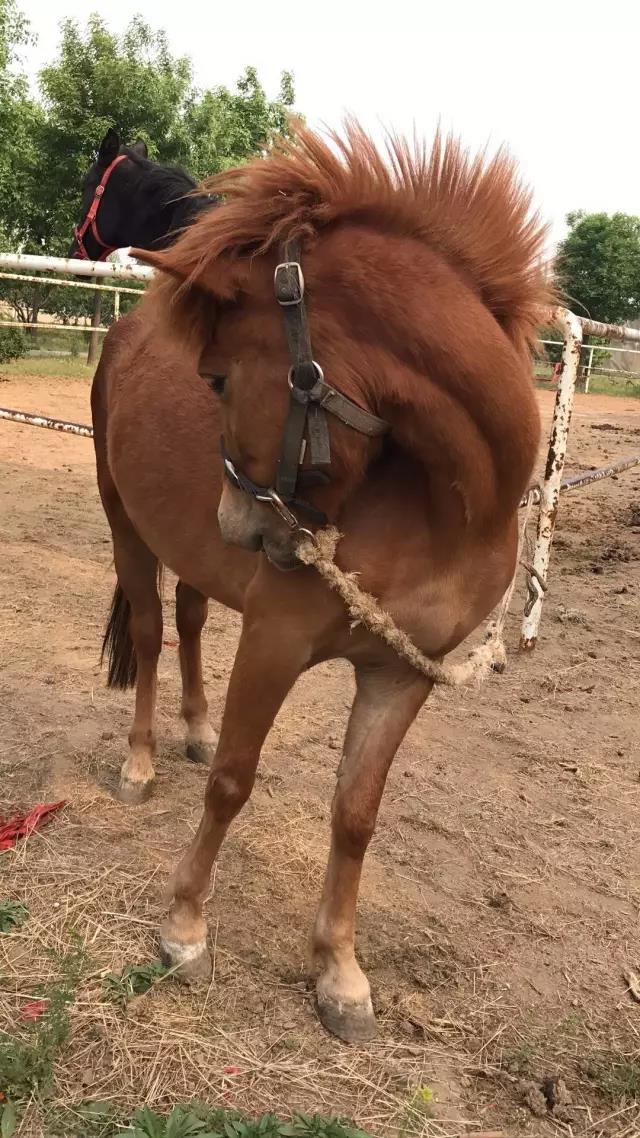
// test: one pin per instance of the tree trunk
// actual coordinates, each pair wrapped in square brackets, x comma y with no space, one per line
[94,340]
[32,320]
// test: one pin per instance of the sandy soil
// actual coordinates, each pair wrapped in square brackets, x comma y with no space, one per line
[500,900]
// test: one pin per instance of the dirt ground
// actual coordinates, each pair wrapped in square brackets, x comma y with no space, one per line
[500,901]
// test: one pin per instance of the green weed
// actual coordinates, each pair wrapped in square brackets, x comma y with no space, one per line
[12,915]
[27,1058]
[134,980]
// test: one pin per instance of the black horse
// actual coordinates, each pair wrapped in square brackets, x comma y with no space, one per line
[129,200]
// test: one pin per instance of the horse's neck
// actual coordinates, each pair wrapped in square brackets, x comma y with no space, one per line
[183,213]
[165,211]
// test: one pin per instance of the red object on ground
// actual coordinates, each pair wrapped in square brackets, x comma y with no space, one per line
[34,1010]
[24,824]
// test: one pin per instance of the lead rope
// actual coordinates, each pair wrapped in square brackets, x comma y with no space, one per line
[489,656]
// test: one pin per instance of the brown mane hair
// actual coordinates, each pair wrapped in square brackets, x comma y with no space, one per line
[474,212]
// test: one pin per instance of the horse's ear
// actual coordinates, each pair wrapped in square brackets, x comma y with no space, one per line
[140,147]
[162,262]
[223,277]
[109,147]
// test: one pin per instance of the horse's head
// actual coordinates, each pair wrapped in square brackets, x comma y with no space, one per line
[298,430]
[105,214]
[334,293]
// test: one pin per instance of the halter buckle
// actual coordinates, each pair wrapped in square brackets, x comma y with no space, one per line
[289,290]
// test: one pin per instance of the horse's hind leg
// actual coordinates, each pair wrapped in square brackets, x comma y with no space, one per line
[132,642]
[387,700]
[191,614]
[133,637]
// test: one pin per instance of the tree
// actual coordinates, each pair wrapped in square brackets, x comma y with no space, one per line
[133,83]
[100,79]
[18,114]
[598,266]
[225,128]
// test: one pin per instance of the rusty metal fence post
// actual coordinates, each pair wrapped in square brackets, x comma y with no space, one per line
[550,487]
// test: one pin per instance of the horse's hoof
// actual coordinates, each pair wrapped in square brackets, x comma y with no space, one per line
[354,1023]
[192,962]
[133,793]
[201,753]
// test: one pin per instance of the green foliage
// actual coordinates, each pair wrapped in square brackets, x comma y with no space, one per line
[12,347]
[199,1121]
[598,266]
[101,79]
[615,1075]
[69,367]
[225,128]
[26,298]
[27,1058]
[192,1120]
[16,111]
[133,82]
[134,980]
[8,1119]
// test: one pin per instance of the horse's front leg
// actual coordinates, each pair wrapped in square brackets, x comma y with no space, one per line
[266,666]
[387,701]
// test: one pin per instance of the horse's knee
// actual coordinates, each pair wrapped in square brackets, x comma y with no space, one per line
[353,824]
[226,793]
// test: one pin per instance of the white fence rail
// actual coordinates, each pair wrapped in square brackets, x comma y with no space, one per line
[95,269]
[546,495]
[98,270]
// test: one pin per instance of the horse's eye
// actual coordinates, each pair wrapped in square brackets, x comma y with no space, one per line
[216,382]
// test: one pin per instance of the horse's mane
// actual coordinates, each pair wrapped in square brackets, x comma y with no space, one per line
[168,182]
[471,210]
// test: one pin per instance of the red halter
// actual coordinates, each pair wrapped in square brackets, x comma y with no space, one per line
[90,219]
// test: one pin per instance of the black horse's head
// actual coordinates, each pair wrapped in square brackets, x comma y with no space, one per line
[129,200]
[106,192]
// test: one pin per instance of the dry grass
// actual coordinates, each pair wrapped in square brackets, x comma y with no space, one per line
[170,1045]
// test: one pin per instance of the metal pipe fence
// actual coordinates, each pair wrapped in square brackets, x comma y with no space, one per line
[95,269]
[574,327]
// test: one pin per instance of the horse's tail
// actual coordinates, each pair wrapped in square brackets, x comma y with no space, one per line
[117,644]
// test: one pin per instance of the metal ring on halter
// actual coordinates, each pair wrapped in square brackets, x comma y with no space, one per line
[319,373]
[306,533]
[280,508]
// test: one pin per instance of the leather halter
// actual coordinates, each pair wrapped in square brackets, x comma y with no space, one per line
[90,219]
[309,400]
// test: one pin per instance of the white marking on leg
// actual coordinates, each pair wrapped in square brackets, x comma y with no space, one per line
[183,953]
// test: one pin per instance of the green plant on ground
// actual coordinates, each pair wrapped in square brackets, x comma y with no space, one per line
[134,980]
[192,1120]
[12,915]
[200,1121]
[27,1058]
[69,367]
[521,1060]
[615,1076]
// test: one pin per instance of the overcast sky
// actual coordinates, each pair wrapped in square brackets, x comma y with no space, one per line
[557,80]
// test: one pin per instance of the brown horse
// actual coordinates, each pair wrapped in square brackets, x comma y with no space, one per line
[421,299]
